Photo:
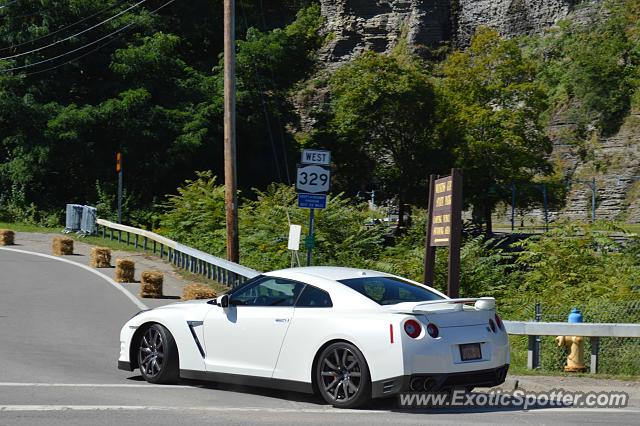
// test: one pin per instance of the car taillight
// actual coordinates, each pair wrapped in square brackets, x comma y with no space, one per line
[412,328]
[499,322]
[492,325]
[433,331]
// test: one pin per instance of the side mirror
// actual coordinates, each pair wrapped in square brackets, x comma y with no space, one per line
[223,301]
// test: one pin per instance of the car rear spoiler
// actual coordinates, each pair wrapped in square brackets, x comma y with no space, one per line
[480,304]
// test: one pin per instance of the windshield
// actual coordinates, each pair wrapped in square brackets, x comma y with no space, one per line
[390,290]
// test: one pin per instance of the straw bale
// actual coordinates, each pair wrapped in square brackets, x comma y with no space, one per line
[197,291]
[62,246]
[125,270]
[6,237]
[100,257]
[151,284]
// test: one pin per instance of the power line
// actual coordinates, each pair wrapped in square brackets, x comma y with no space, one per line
[60,29]
[264,108]
[84,46]
[8,4]
[280,127]
[77,58]
[74,35]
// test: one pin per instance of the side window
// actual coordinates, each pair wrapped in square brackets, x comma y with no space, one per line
[268,291]
[313,297]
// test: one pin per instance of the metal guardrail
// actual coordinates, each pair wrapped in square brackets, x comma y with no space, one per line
[592,330]
[190,259]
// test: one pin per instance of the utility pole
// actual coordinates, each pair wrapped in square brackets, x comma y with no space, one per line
[119,172]
[230,173]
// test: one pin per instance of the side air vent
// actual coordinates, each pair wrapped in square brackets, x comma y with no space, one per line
[192,325]
[388,386]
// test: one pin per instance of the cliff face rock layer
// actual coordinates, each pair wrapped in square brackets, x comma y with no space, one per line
[377,25]
[359,25]
[614,161]
[509,17]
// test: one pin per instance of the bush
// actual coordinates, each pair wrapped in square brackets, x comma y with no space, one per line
[582,267]
[341,234]
[196,216]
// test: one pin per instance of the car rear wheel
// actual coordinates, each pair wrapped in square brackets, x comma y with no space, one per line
[158,355]
[343,376]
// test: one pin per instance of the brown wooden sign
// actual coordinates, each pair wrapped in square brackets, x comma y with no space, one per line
[444,227]
[441,212]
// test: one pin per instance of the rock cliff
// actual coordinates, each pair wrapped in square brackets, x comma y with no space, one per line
[358,25]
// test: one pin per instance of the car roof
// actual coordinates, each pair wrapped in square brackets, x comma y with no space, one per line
[334,273]
[328,278]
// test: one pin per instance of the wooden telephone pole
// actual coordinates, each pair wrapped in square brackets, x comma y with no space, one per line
[230,173]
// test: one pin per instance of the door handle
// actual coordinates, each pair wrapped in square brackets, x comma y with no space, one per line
[282,319]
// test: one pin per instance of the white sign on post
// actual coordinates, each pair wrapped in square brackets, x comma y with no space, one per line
[313,179]
[316,156]
[294,237]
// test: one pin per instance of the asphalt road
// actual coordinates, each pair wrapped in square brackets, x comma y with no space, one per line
[59,326]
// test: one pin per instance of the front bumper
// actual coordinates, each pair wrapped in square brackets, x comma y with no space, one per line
[124,365]
[440,381]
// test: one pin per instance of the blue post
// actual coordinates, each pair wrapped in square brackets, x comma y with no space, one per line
[575,316]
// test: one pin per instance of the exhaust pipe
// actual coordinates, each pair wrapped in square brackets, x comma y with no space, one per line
[430,384]
[416,384]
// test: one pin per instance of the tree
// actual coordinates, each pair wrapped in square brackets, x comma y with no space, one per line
[492,119]
[593,70]
[152,92]
[383,112]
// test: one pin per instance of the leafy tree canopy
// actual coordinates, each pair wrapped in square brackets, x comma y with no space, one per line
[492,119]
[382,121]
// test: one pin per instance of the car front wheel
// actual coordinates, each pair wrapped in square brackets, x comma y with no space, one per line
[342,376]
[158,355]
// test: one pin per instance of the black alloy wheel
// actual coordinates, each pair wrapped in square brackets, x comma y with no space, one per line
[158,355]
[342,376]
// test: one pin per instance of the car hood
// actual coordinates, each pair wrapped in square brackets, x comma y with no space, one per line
[184,305]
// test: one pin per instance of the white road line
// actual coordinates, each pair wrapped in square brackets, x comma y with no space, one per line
[328,410]
[120,287]
[167,408]
[92,385]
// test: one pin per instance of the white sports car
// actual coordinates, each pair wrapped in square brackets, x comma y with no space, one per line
[348,334]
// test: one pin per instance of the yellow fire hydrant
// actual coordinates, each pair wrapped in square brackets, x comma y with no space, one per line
[575,360]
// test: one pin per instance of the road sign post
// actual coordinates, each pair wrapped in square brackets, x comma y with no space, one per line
[430,251]
[294,242]
[313,181]
[311,238]
[119,172]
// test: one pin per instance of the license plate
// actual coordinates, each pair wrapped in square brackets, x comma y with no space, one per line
[470,352]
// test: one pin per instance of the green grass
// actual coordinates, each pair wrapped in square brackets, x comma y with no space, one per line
[631,228]
[26,227]
[106,242]
[199,279]
[522,370]
[553,359]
